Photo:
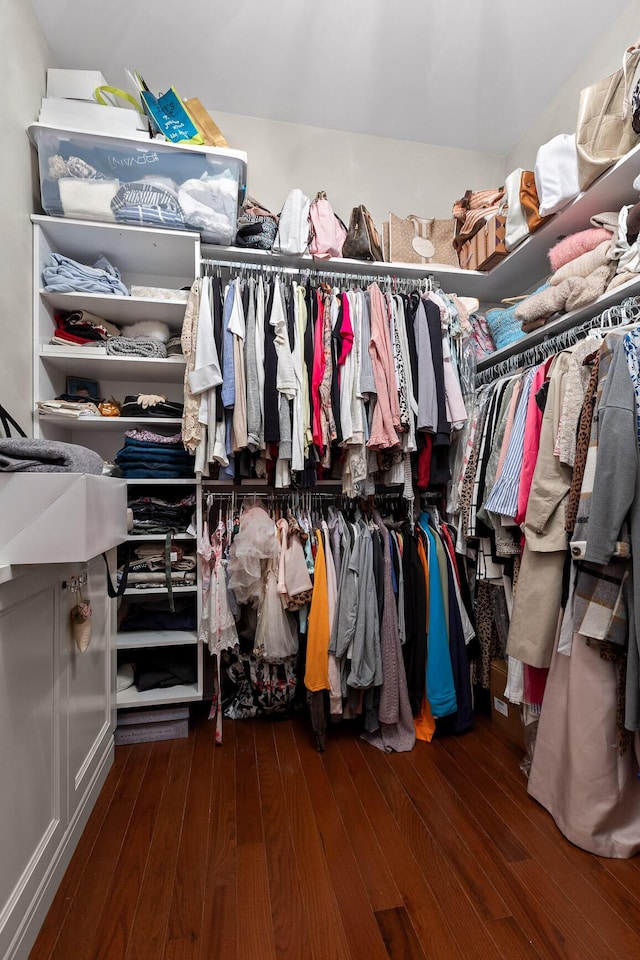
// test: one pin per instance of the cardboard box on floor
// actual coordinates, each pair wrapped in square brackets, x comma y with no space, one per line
[505,715]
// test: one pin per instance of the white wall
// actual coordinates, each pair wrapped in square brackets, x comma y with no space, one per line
[24,57]
[382,173]
[560,114]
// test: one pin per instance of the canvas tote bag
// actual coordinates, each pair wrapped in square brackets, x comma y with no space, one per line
[422,240]
[604,130]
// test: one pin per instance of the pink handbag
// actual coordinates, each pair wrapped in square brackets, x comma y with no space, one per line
[328,232]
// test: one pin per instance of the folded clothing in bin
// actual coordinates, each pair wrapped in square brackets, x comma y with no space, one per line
[146,183]
[148,202]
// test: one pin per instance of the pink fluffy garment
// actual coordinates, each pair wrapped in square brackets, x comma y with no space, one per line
[575,245]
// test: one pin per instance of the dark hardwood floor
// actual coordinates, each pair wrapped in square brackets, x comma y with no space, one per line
[262,848]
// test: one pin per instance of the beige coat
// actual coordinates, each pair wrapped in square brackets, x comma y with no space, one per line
[538,592]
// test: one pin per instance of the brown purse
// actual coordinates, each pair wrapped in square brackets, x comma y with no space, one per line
[529,201]
[363,240]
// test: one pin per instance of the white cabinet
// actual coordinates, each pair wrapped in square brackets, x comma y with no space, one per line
[165,259]
[56,735]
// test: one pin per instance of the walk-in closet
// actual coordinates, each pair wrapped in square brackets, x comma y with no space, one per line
[320,481]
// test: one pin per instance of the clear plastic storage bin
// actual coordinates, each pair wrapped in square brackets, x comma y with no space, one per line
[146,183]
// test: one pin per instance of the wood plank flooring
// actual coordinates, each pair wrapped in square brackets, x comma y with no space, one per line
[263,849]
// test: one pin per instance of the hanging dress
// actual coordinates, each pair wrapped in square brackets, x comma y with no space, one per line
[222,633]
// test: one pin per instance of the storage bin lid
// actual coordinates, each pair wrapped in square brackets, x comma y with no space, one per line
[37,131]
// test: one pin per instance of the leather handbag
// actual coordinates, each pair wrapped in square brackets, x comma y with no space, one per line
[486,247]
[151,405]
[530,201]
[422,240]
[523,207]
[257,226]
[473,210]
[604,131]
[363,240]
[328,232]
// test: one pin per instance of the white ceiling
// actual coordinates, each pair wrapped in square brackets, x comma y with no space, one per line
[472,74]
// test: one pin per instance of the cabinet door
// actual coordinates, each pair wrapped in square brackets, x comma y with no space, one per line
[89,676]
[32,796]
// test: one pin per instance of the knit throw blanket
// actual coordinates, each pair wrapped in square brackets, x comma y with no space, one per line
[26,455]
[136,347]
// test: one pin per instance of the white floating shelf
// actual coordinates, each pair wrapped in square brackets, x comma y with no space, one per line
[157,591]
[137,639]
[94,363]
[158,537]
[184,693]
[107,423]
[118,309]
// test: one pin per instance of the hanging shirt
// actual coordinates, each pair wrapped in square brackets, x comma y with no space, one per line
[440,688]
[238,331]
[386,414]
[261,297]
[504,496]
[427,397]
[316,676]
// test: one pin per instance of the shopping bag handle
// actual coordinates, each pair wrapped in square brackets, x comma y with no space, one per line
[116,92]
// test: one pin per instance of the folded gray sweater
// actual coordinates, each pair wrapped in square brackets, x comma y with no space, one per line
[26,455]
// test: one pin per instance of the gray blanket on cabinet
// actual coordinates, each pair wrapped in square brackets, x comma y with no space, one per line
[27,455]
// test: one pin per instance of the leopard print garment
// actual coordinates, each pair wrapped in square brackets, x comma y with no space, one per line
[582,447]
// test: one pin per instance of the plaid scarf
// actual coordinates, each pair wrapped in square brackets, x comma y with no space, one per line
[599,604]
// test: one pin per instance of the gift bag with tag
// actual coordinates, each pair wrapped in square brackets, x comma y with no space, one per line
[421,240]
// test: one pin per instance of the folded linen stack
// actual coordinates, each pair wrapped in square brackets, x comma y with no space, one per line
[73,409]
[144,458]
[82,328]
[155,566]
[584,264]
[159,515]
[64,275]
[157,615]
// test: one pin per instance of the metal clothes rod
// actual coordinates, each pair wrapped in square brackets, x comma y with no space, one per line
[618,315]
[318,272]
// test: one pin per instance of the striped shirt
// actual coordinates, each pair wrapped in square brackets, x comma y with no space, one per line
[503,499]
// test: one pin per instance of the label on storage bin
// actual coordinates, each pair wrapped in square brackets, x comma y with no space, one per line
[501,707]
[173,556]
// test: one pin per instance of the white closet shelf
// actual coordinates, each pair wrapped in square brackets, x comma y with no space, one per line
[107,423]
[184,693]
[158,481]
[565,322]
[158,537]
[119,309]
[514,275]
[139,250]
[157,591]
[95,363]
[452,279]
[137,639]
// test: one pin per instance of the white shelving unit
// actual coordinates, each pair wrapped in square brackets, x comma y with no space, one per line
[516,274]
[165,259]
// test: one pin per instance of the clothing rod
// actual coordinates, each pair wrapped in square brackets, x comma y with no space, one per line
[609,319]
[318,271]
[298,494]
